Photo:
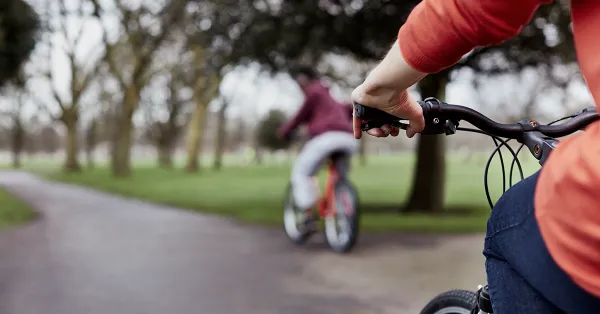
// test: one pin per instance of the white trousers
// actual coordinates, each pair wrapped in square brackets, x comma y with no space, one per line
[313,154]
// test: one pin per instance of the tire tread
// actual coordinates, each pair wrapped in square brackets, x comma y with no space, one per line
[453,298]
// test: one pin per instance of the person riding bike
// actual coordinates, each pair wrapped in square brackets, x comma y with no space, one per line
[330,131]
[542,246]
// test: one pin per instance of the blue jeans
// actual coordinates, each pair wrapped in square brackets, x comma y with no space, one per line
[522,276]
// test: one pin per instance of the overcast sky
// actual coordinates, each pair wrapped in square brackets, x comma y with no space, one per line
[252,94]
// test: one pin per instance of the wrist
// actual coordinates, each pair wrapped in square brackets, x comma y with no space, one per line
[394,72]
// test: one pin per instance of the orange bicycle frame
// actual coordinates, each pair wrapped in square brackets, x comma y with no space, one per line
[326,203]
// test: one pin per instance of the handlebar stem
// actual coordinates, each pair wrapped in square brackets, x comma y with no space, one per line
[538,144]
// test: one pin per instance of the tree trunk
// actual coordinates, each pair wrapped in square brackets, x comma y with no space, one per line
[121,146]
[17,143]
[195,134]
[90,143]
[89,154]
[361,151]
[16,159]
[17,146]
[221,137]
[71,143]
[429,177]
[258,156]
[165,155]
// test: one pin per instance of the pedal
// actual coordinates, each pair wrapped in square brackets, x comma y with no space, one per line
[484,304]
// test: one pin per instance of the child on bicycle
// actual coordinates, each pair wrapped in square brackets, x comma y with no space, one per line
[330,130]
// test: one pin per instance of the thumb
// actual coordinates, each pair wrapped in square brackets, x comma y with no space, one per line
[412,111]
[416,123]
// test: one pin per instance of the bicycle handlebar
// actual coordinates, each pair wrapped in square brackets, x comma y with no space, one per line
[443,118]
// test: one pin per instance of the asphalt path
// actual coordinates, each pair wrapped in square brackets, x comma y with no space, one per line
[95,253]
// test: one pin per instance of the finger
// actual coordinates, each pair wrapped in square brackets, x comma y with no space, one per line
[387,129]
[418,123]
[376,133]
[359,96]
[395,131]
[356,127]
[411,130]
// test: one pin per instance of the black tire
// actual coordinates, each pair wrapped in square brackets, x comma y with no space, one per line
[452,302]
[343,243]
[292,231]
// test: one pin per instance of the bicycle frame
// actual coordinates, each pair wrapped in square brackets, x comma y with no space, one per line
[326,202]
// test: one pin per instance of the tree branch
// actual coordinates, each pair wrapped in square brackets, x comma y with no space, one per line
[41,105]
[54,90]
[85,82]
[145,56]
[109,56]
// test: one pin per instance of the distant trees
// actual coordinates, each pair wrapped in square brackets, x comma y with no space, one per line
[291,32]
[266,133]
[166,115]
[19,26]
[66,21]
[165,62]
[144,28]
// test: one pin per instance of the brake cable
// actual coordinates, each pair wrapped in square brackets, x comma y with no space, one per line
[499,143]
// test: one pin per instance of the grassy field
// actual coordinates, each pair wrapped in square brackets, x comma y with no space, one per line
[254,194]
[13,211]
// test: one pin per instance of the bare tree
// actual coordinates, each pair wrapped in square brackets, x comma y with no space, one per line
[225,103]
[97,116]
[14,112]
[166,118]
[65,21]
[221,134]
[205,89]
[144,31]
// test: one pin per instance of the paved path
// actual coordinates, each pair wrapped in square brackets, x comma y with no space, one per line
[93,253]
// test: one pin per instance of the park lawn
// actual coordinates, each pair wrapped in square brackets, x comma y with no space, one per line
[13,211]
[255,193]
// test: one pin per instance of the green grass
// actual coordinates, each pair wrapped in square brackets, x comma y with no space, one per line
[254,194]
[13,211]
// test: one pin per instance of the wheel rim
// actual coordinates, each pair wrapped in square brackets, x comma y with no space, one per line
[338,229]
[453,310]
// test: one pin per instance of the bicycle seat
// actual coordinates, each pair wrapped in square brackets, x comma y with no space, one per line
[337,154]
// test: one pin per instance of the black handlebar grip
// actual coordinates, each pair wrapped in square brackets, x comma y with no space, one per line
[372,114]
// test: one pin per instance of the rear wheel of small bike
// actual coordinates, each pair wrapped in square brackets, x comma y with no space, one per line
[452,302]
[342,227]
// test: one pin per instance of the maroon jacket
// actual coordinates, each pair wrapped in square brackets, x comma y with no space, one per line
[321,113]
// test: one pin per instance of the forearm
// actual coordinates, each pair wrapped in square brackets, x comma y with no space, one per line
[438,33]
[287,128]
[394,72]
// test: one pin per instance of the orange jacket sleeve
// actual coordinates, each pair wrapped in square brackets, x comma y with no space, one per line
[439,32]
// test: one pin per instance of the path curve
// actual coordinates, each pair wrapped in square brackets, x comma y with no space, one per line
[94,253]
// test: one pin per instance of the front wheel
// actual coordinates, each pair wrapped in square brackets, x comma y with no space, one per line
[452,302]
[342,226]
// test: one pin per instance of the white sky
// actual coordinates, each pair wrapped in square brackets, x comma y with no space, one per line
[253,95]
